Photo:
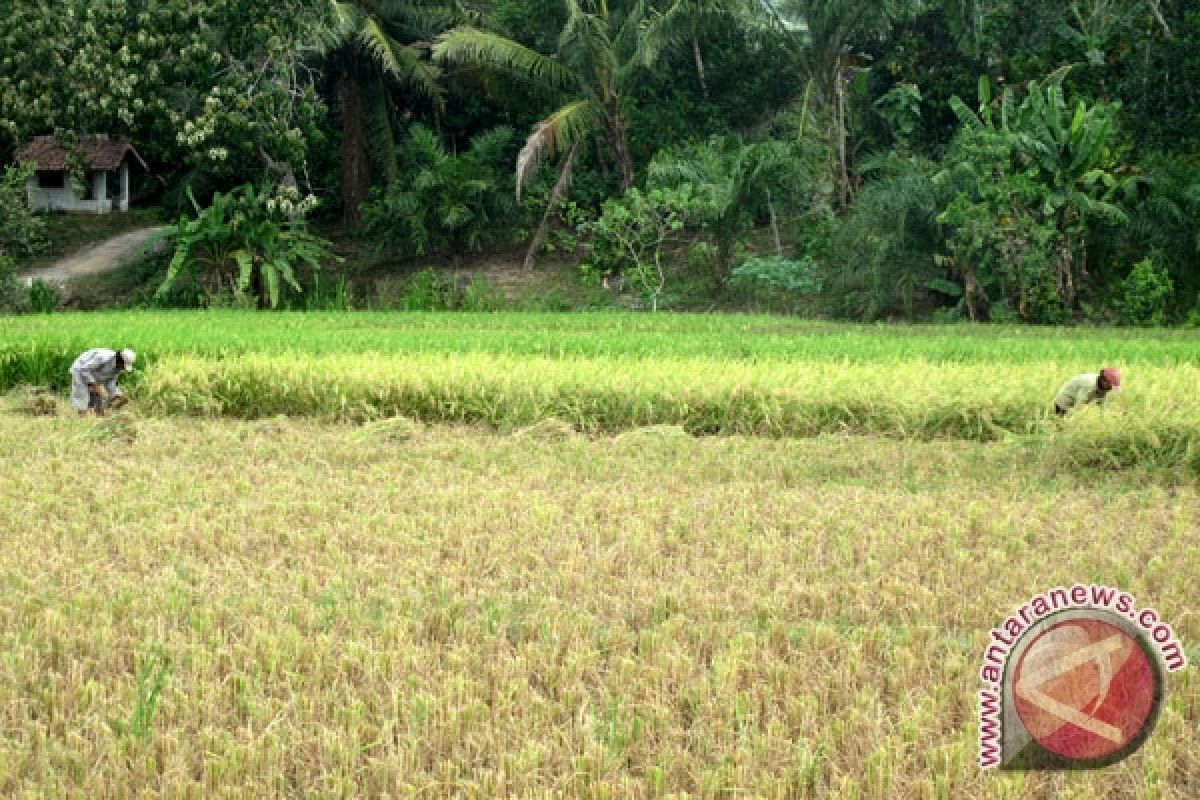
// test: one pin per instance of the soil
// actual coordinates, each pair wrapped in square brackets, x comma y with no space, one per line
[93,260]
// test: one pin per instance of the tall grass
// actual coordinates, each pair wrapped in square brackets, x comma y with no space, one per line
[600,394]
[607,373]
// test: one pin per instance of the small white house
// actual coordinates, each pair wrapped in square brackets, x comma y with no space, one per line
[106,160]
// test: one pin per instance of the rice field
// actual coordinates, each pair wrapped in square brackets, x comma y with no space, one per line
[426,556]
[605,373]
[611,335]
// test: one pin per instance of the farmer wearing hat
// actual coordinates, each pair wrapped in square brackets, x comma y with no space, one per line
[1089,387]
[95,367]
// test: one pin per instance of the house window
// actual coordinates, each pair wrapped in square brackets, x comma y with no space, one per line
[51,179]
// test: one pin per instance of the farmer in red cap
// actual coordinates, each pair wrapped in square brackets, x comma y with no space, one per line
[1089,387]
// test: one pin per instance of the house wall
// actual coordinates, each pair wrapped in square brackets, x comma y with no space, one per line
[64,199]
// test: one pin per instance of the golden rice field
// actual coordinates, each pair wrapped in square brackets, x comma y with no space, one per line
[593,556]
[202,608]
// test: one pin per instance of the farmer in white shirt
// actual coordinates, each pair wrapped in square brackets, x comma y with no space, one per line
[93,368]
[1090,387]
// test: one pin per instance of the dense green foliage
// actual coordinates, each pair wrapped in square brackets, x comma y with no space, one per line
[449,203]
[21,231]
[245,245]
[968,159]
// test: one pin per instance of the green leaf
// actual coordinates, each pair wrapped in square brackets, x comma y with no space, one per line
[246,269]
[945,287]
[272,276]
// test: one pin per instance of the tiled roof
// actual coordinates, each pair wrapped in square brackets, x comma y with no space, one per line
[99,152]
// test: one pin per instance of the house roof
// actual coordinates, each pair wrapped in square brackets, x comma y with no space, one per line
[99,152]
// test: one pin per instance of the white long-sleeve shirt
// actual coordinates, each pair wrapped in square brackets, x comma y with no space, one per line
[98,365]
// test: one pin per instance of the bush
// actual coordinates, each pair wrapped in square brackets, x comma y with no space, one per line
[43,297]
[633,232]
[481,295]
[777,280]
[8,283]
[427,290]
[1145,294]
[449,203]
[249,242]
[22,233]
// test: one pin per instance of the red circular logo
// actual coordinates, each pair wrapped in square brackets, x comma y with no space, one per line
[1084,689]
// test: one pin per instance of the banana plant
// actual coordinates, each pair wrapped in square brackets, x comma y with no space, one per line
[1066,156]
[248,242]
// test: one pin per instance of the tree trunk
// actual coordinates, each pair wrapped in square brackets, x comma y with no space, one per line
[618,142]
[840,113]
[774,226]
[1158,16]
[258,283]
[699,66]
[975,298]
[356,175]
[1066,261]
[560,188]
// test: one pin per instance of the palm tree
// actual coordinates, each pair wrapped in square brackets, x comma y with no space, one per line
[734,181]
[600,53]
[821,34]
[685,20]
[371,46]
[448,201]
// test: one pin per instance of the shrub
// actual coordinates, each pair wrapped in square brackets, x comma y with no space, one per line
[481,295]
[777,280]
[22,233]
[427,290]
[43,297]
[451,203]
[1145,294]
[8,283]
[632,233]
[248,242]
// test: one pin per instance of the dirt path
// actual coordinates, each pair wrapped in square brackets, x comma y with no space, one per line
[93,260]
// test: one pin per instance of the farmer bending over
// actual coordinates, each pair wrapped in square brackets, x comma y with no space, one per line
[1086,388]
[95,367]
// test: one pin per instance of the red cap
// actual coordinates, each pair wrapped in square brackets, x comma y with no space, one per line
[1111,377]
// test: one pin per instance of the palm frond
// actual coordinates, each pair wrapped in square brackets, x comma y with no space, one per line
[666,29]
[345,21]
[477,48]
[490,146]
[401,62]
[629,37]
[380,134]
[424,148]
[423,19]
[554,136]
[586,44]
[681,22]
